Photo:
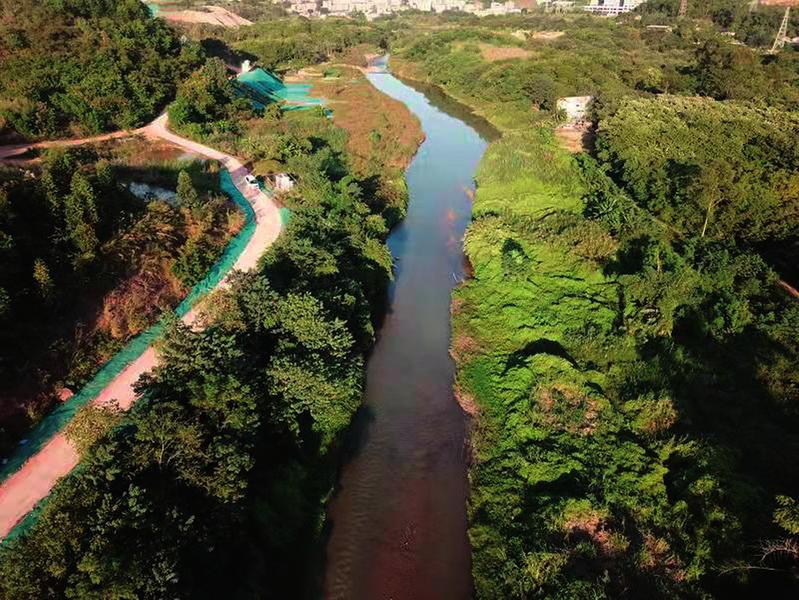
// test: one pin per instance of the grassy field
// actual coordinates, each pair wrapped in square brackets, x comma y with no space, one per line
[381,131]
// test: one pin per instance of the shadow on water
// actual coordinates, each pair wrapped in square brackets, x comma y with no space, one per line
[396,524]
[445,103]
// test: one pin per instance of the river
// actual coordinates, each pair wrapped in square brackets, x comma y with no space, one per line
[397,520]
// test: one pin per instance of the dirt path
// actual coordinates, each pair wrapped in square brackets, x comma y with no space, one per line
[20,493]
[789,288]
[7,152]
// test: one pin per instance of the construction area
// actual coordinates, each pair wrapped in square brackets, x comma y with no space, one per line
[207,14]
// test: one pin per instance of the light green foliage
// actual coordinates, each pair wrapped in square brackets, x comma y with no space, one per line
[787,514]
[91,424]
[529,176]
[43,279]
[186,193]
[586,337]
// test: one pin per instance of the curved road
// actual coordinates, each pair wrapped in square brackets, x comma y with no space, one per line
[20,493]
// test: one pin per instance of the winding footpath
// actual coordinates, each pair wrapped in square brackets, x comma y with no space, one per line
[20,493]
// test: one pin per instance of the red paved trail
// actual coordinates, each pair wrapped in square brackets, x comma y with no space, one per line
[20,493]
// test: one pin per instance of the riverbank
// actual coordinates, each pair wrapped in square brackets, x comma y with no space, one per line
[250,409]
[605,451]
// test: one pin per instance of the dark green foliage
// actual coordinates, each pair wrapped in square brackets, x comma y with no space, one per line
[724,171]
[213,484]
[86,265]
[285,43]
[96,66]
[728,72]
[207,104]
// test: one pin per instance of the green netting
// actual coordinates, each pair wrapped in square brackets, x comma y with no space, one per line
[263,88]
[58,418]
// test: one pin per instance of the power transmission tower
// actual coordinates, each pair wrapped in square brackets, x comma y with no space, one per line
[683,8]
[782,34]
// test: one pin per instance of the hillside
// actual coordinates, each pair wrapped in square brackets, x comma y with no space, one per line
[71,67]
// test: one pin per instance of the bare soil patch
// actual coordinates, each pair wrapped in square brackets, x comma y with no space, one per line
[496,53]
[211,15]
[547,35]
[574,139]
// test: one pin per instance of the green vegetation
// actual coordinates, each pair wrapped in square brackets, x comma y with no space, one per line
[624,338]
[86,266]
[756,28]
[630,354]
[89,66]
[592,57]
[281,44]
[230,451]
[627,382]
[723,171]
[206,103]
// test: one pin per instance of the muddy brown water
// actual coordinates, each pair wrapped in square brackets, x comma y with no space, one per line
[397,520]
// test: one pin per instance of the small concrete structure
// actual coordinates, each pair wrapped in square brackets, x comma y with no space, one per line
[575,107]
[282,182]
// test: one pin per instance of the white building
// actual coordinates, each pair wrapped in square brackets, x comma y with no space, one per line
[558,5]
[496,8]
[612,8]
[575,107]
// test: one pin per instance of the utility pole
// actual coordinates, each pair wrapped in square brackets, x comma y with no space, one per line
[683,8]
[782,34]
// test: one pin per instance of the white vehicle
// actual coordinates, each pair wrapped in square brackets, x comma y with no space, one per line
[251,181]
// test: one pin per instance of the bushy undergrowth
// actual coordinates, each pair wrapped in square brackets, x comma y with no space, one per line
[86,266]
[604,359]
[88,66]
[214,484]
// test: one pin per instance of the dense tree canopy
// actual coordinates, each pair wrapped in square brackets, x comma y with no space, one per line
[229,451]
[93,66]
[720,170]
[78,247]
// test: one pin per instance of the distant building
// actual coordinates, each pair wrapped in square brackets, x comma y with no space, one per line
[496,8]
[612,8]
[575,107]
[558,5]
[376,8]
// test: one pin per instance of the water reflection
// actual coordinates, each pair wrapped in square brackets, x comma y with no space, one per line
[397,522]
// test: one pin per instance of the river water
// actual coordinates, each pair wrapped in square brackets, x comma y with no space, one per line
[397,521]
